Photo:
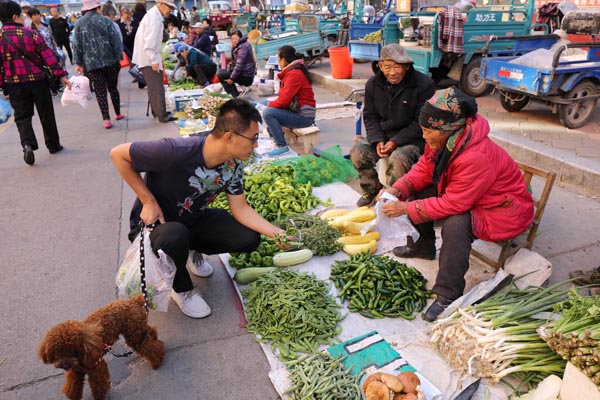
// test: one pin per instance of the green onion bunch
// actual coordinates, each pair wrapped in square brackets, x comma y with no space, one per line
[575,335]
[497,338]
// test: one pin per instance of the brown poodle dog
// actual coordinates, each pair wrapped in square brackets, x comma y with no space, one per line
[78,346]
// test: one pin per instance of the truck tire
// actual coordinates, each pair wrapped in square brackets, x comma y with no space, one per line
[471,81]
[576,114]
[513,102]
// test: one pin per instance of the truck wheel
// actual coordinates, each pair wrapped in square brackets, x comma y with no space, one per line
[513,102]
[471,81]
[576,114]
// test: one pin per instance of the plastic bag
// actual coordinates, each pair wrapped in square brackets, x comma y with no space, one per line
[180,74]
[330,166]
[79,93]
[394,231]
[160,272]
[6,115]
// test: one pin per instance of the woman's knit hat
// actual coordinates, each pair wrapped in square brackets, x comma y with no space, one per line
[447,110]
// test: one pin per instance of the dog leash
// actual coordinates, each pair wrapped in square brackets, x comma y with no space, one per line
[108,348]
[143,263]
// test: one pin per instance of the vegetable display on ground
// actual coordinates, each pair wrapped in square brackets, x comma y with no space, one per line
[575,335]
[314,233]
[497,337]
[379,286]
[292,310]
[185,84]
[272,193]
[356,226]
[320,376]
[261,257]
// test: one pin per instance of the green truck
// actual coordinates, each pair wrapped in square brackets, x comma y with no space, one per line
[495,18]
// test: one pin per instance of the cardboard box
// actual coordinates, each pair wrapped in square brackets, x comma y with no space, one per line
[577,386]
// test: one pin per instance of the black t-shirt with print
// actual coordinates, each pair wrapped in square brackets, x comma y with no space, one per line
[177,176]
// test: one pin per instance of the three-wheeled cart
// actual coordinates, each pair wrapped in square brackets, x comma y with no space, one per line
[570,86]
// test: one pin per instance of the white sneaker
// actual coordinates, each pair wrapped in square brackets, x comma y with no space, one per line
[191,303]
[197,266]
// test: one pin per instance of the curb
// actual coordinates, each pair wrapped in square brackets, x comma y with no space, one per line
[575,173]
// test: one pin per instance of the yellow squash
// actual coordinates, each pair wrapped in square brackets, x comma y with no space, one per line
[353,249]
[333,213]
[355,228]
[361,214]
[359,239]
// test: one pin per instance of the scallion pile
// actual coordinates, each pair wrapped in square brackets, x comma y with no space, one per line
[575,335]
[497,337]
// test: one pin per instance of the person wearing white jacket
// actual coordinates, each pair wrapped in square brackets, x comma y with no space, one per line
[146,54]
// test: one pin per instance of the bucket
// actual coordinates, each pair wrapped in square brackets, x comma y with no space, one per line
[341,63]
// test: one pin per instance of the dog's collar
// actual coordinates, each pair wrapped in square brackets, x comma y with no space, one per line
[107,348]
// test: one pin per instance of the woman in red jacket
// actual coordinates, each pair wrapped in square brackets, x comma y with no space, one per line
[467,182]
[295,105]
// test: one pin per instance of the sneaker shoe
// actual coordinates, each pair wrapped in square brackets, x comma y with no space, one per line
[366,200]
[28,155]
[54,94]
[197,266]
[278,151]
[107,125]
[191,303]
[119,116]
[436,308]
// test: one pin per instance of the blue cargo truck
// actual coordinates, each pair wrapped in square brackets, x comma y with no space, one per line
[505,18]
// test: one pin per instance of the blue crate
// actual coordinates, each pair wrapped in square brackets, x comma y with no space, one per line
[181,102]
[364,50]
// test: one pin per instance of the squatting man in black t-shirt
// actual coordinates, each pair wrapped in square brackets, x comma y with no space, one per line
[183,176]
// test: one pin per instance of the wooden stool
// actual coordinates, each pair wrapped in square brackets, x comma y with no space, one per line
[309,135]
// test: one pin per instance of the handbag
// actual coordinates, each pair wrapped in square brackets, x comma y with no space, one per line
[125,61]
[48,75]
[294,105]
[135,72]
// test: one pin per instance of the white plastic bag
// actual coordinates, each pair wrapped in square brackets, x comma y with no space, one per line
[79,93]
[160,272]
[180,74]
[393,231]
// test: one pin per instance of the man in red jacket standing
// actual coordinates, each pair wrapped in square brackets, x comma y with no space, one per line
[467,182]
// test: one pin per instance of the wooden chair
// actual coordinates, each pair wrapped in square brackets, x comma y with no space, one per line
[511,246]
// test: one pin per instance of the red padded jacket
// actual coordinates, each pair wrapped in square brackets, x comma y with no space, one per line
[481,178]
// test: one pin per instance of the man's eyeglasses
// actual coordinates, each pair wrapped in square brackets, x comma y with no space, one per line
[253,139]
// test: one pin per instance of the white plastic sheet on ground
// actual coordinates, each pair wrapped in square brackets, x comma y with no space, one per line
[409,338]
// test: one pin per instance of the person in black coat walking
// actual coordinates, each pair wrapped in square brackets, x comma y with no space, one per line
[61,30]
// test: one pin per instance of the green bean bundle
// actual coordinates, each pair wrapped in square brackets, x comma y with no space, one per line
[292,310]
[379,286]
[320,376]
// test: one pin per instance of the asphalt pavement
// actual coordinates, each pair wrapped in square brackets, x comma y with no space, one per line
[63,224]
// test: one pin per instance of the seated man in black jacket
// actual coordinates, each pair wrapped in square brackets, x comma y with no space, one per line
[393,101]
